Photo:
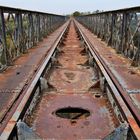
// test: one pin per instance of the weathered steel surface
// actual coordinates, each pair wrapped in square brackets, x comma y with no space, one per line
[98,125]
[15,79]
[71,80]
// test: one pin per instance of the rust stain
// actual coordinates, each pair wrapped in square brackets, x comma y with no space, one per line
[99,124]
[135,127]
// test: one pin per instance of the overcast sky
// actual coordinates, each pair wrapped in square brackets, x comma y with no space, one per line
[69,6]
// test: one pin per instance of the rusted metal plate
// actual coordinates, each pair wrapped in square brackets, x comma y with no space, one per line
[65,80]
[16,77]
[98,125]
[72,75]
[68,59]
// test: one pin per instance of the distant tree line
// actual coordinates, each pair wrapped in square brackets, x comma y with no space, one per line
[77,13]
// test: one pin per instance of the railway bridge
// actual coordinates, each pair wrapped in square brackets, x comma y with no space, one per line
[69,78]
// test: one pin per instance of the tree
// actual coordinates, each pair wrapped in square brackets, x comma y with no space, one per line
[76,13]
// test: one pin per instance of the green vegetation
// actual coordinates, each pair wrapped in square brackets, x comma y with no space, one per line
[77,13]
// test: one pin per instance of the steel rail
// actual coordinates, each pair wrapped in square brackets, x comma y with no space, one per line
[18,113]
[110,80]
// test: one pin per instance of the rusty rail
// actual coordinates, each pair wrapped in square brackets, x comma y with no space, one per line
[119,28]
[116,92]
[22,29]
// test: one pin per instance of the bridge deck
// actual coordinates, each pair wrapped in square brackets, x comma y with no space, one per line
[71,81]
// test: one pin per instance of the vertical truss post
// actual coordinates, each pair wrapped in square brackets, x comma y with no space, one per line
[51,23]
[19,37]
[38,28]
[31,31]
[4,43]
[111,33]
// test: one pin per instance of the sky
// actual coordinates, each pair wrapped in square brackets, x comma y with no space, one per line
[69,6]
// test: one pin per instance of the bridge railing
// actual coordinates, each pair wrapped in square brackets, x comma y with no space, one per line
[23,29]
[120,29]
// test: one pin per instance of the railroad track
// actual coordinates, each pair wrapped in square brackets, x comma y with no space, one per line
[72,96]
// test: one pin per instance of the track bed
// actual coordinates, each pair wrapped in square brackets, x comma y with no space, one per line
[70,88]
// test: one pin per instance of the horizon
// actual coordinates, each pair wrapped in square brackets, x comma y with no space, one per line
[63,8]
